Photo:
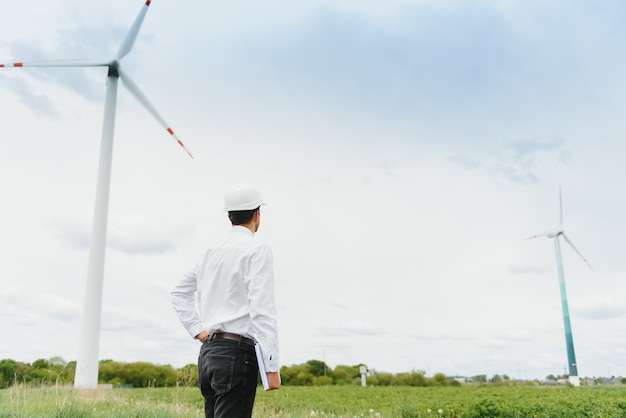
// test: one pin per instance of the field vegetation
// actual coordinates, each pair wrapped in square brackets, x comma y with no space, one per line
[312,389]
[324,401]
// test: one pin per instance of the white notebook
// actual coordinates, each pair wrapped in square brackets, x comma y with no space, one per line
[262,370]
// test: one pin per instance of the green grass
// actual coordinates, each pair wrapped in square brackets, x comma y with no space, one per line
[327,401]
[64,402]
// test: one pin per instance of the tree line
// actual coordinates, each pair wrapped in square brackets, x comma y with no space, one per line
[56,370]
[317,373]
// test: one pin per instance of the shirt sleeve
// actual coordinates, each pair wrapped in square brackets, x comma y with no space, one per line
[183,298]
[260,284]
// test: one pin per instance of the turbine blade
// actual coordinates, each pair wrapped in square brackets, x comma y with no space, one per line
[543,234]
[57,63]
[135,91]
[575,249]
[131,36]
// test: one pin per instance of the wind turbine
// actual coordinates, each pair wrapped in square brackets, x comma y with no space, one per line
[87,361]
[574,379]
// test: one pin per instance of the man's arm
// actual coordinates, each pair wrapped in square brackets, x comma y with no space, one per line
[260,283]
[183,300]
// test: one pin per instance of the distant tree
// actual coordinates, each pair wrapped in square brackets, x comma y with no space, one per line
[57,361]
[138,374]
[496,379]
[304,377]
[297,375]
[287,375]
[144,374]
[440,379]
[64,371]
[413,378]
[12,371]
[345,375]
[380,379]
[188,375]
[112,372]
[480,378]
[40,364]
[41,372]
[318,367]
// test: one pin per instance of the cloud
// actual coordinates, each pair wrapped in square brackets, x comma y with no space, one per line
[131,234]
[521,161]
[600,307]
[529,270]
[9,301]
[145,239]
[71,232]
[39,103]
[15,306]
[465,161]
[120,318]
[354,327]
[58,307]
[440,336]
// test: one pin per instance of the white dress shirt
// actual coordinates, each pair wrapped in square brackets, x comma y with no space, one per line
[231,289]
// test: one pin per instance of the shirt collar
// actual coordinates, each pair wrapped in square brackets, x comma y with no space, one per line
[239,228]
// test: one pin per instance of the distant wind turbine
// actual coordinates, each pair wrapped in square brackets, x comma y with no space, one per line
[569,340]
[87,362]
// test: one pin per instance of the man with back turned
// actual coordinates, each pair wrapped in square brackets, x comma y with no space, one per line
[227,302]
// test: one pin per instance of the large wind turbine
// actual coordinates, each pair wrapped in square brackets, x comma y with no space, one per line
[87,361]
[569,340]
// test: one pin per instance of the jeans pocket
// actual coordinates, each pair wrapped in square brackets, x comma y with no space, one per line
[221,368]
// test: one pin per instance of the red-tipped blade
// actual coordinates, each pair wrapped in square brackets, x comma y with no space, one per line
[577,252]
[543,234]
[57,63]
[131,36]
[135,91]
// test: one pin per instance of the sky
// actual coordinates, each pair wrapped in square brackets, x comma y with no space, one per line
[405,149]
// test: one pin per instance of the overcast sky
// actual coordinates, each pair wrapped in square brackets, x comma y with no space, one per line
[405,148]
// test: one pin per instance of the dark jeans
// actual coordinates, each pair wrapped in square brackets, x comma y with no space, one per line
[227,376]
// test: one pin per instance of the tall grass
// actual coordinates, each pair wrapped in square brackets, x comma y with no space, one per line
[327,401]
[20,401]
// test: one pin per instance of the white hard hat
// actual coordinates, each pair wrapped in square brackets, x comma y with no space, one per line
[242,196]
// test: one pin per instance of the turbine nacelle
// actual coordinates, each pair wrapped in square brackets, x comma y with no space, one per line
[114,69]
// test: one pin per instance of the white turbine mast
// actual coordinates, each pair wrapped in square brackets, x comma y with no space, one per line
[574,379]
[87,361]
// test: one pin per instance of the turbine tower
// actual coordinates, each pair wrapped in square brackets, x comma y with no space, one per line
[87,361]
[574,379]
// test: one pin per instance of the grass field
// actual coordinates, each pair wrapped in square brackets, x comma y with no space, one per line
[326,401]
